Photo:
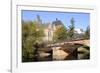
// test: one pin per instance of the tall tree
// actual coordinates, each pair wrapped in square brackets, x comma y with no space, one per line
[71,28]
[87,33]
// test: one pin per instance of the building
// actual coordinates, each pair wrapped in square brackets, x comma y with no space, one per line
[49,28]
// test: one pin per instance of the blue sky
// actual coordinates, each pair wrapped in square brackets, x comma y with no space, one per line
[82,20]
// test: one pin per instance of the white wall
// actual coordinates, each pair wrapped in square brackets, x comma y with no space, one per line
[5,34]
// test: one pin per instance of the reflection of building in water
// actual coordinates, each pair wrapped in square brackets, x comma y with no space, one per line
[48,27]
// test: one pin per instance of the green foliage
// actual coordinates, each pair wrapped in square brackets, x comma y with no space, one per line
[31,34]
[84,52]
[71,29]
[60,34]
[87,33]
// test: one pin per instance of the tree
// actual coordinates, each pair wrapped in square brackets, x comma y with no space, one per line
[31,34]
[71,29]
[60,34]
[87,33]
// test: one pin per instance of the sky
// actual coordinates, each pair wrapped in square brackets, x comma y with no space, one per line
[82,20]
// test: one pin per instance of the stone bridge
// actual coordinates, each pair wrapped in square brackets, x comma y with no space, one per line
[65,50]
[78,42]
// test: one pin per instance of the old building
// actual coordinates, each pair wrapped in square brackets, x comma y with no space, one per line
[49,28]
